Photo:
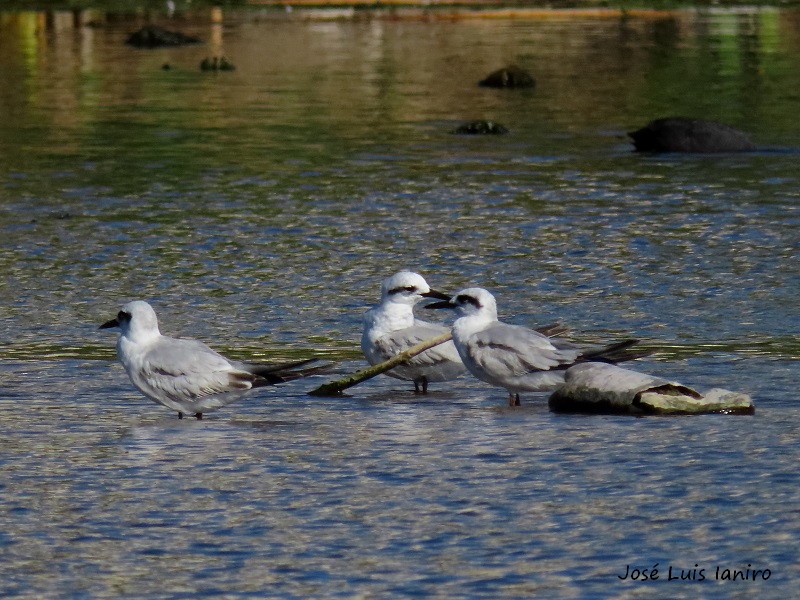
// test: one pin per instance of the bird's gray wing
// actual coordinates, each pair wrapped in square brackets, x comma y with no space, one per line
[188,369]
[516,351]
[401,340]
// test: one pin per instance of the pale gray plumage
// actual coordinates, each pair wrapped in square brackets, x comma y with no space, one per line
[440,363]
[516,351]
[185,374]
[188,376]
[516,358]
[510,356]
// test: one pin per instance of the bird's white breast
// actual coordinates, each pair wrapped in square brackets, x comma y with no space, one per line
[384,319]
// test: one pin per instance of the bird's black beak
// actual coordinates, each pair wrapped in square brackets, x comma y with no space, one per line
[442,304]
[109,324]
[436,294]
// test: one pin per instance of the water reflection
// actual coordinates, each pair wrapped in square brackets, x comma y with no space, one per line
[260,209]
[643,67]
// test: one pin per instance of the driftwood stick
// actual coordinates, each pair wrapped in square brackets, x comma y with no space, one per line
[335,388]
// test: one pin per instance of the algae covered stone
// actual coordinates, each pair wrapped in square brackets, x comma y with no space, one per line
[606,388]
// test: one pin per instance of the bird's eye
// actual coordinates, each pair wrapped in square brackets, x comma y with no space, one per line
[407,288]
[464,299]
[123,316]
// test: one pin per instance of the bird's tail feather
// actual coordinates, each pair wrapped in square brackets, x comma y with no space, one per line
[616,353]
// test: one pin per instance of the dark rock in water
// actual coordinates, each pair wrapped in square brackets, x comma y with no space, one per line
[480,128]
[61,216]
[215,63]
[151,36]
[509,77]
[679,134]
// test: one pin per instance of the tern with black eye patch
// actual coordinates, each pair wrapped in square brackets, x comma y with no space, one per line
[513,357]
[391,328]
[184,374]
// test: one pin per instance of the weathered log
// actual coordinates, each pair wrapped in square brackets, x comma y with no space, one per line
[335,388]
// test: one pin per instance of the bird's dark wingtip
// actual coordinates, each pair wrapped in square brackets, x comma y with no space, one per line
[617,352]
[281,373]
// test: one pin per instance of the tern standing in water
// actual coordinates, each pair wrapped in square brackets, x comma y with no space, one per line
[391,328]
[513,357]
[184,374]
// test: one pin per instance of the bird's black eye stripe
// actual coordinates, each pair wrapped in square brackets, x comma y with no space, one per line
[123,316]
[407,288]
[464,299]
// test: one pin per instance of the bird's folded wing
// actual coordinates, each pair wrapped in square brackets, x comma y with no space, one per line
[401,340]
[515,351]
[185,369]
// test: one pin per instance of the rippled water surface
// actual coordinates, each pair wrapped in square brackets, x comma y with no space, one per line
[259,210]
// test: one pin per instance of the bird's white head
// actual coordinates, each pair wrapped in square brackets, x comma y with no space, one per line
[407,288]
[469,302]
[137,320]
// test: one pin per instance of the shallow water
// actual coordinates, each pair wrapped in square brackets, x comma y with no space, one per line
[259,210]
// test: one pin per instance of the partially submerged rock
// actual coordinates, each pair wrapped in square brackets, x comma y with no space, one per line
[609,389]
[480,128]
[216,63]
[509,77]
[680,134]
[152,36]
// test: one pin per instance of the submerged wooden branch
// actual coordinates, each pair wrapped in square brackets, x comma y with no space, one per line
[335,388]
